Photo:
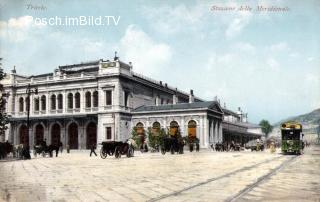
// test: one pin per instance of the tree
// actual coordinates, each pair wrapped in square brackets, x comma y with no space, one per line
[3,115]
[266,127]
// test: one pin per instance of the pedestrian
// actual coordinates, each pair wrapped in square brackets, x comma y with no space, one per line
[92,148]
[60,146]
[68,148]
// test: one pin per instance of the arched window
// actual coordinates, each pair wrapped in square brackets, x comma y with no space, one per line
[70,101]
[174,126]
[155,128]
[95,99]
[60,101]
[140,129]
[53,102]
[27,104]
[88,99]
[77,100]
[192,129]
[36,104]
[43,102]
[21,104]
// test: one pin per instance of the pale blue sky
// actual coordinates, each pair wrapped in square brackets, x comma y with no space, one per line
[267,63]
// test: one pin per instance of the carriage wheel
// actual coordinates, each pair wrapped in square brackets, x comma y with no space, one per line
[117,152]
[103,154]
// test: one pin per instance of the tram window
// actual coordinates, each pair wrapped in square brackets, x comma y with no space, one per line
[291,135]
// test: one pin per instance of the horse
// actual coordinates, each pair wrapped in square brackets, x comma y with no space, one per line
[44,149]
[172,144]
[5,149]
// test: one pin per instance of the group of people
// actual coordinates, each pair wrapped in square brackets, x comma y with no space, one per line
[226,146]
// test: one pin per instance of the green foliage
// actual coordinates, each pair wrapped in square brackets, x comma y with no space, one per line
[155,140]
[136,137]
[266,127]
[3,116]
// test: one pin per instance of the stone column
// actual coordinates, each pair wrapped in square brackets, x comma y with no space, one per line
[74,100]
[206,132]
[91,92]
[64,102]
[101,98]
[201,132]
[220,132]
[47,103]
[183,127]
[216,131]
[82,101]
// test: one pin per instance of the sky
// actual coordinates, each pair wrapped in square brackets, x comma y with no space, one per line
[266,62]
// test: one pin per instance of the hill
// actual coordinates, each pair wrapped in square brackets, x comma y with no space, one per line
[309,121]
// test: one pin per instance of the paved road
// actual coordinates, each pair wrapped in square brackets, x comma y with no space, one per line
[204,176]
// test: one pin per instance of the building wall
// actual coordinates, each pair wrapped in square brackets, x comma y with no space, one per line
[201,118]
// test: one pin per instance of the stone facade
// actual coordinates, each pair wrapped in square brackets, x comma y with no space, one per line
[91,102]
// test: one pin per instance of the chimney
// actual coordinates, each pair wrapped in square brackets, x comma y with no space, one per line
[160,83]
[239,112]
[175,97]
[191,97]
[14,70]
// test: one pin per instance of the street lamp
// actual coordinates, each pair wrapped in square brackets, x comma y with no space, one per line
[29,91]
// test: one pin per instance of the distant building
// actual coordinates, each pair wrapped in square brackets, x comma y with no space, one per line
[102,100]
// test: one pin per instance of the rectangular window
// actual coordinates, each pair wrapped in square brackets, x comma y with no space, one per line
[108,97]
[108,133]
[126,98]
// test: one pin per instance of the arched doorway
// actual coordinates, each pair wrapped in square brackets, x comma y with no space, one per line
[174,128]
[140,131]
[192,129]
[156,128]
[73,136]
[39,134]
[55,134]
[91,134]
[24,137]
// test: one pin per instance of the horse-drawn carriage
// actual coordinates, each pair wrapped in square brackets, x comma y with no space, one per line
[5,149]
[171,144]
[117,149]
[43,149]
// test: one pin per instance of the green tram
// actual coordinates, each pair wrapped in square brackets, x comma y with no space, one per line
[291,138]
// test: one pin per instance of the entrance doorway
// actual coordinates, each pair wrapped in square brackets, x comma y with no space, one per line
[91,134]
[73,136]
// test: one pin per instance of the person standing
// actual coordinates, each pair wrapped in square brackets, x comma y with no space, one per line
[60,146]
[92,148]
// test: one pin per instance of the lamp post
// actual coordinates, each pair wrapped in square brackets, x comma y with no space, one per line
[29,91]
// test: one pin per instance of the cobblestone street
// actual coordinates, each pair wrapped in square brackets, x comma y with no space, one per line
[203,176]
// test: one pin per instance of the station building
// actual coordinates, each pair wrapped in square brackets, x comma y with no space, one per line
[103,100]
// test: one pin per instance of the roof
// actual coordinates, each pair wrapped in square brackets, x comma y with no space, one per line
[180,106]
[229,112]
[250,125]
[79,65]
